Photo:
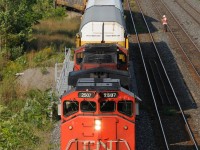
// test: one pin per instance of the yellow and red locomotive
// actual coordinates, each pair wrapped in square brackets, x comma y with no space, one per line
[98,114]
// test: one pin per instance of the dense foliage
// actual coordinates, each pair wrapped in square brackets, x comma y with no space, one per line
[32,33]
[24,117]
[19,130]
[16,20]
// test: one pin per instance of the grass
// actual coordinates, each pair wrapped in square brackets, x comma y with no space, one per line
[26,114]
[27,119]
[43,53]
[55,32]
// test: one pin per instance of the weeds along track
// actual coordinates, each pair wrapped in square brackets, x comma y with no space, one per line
[175,129]
[185,45]
[191,11]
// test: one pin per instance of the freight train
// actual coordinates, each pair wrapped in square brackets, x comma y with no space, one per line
[99,112]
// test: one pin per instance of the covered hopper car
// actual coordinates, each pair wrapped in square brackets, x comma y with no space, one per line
[103,22]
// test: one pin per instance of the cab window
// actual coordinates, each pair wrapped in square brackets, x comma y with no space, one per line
[107,106]
[79,57]
[70,107]
[98,58]
[121,58]
[125,107]
[88,106]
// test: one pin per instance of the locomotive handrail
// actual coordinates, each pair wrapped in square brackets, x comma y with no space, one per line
[70,143]
[63,71]
[121,140]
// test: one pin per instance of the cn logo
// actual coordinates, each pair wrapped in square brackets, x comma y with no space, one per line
[99,145]
[88,144]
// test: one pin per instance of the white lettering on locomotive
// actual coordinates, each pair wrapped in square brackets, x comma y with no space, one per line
[99,144]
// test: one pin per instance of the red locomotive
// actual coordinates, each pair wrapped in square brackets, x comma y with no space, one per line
[100,61]
[111,56]
[98,114]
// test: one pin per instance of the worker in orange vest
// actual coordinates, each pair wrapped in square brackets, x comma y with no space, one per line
[164,22]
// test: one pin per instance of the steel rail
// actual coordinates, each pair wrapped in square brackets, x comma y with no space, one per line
[163,84]
[192,8]
[159,74]
[180,25]
[156,81]
[192,65]
[180,108]
[155,104]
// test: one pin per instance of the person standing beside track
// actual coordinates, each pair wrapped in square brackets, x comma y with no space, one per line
[164,23]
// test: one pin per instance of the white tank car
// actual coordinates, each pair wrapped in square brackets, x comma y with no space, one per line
[103,22]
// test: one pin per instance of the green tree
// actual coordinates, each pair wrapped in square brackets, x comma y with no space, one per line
[16,19]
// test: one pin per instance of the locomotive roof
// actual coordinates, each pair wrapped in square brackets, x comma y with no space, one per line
[98,84]
[103,14]
[115,3]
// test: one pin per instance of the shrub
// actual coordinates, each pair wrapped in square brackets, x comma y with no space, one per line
[19,129]
[55,13]
[43,55]
[16,134]
[8,92]
[44,70]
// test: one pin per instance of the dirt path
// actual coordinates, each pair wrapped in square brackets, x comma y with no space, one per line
[36,78]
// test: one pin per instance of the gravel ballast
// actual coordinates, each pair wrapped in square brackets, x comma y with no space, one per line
[187,85]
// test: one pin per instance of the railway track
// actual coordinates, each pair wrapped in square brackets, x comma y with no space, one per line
[162,91]
[191,11]
[190,52]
